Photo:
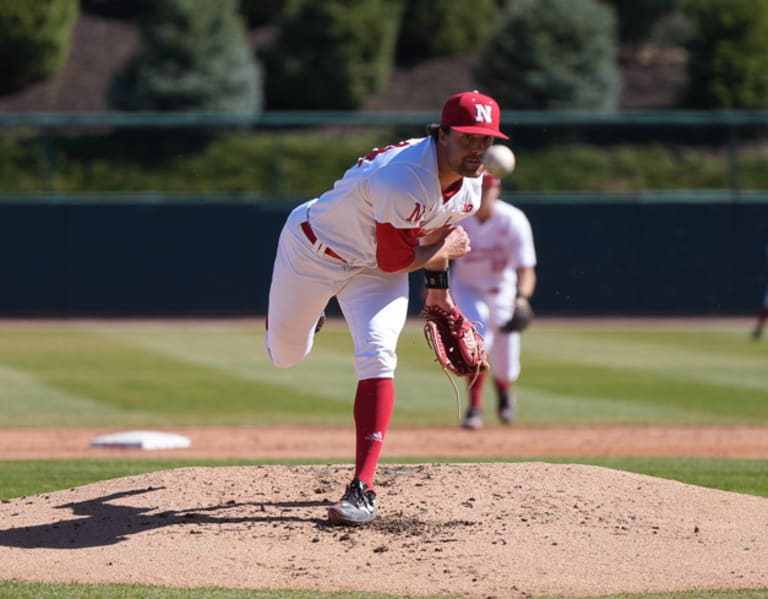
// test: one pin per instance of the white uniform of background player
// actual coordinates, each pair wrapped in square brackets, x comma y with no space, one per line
[393,212]
[485,284]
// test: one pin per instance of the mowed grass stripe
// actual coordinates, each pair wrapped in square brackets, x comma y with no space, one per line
[700,356]
[240,353]
[694,384]
[26,399]
[424,396]
[724,358]
[160,389]
[538,407]
[673,397]
[200,373]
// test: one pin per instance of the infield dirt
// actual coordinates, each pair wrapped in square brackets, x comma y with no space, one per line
[475,529]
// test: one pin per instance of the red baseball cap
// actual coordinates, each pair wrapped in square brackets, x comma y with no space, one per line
[472,112]
[490,181]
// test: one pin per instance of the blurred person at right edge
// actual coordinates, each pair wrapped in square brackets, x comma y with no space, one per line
[762,315]
[486,284]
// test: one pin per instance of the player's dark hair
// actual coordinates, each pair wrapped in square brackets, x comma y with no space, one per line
[433,130]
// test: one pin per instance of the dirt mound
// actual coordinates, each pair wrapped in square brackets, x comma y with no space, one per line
[476,529]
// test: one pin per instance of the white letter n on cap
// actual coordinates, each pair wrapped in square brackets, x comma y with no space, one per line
[483,113]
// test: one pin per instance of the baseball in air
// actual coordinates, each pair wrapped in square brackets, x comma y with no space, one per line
[499,160]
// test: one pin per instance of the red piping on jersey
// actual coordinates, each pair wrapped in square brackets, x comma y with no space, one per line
[452,190]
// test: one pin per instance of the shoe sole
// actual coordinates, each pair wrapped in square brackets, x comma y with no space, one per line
[472,424]
[337,518]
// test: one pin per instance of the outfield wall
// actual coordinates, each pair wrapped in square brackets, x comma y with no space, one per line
[207,259]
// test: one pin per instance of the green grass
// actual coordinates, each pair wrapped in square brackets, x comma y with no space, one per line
[645,375]
[116,375]
[19,590]
[119,375]
[123,591]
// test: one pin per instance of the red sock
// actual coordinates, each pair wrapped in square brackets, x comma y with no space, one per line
[374,402]
[476,392]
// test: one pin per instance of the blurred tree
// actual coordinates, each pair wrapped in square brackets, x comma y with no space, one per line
[261,12]
[331,54]
[194,57]
[116,9]
[35,38]
[637,18]
[728,54]
[444,28]
[673,30]
[553,54]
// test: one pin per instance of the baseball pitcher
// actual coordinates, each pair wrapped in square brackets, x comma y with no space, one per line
[394,211]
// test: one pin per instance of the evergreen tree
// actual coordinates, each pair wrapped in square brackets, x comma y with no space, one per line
[553,54]
[128,10]
[728,55]
[331,54]
[261,12]
[636,18]
[444,28]
[35,38]
[194,57]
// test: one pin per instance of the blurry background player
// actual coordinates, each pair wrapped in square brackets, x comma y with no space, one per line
[762,315]
[487,283]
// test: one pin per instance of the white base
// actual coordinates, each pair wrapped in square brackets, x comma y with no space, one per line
[148,440]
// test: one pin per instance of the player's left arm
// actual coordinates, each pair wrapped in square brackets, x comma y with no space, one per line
[526,278]
[526,281]
[525,256]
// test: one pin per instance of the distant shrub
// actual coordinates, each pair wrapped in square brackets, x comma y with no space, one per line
[194,56]
[331,54]
[115,9]
[636,18]
[581,167]
[553,54]
[444,28]
[261,12]
[307,162]
[35,38]
[728,54]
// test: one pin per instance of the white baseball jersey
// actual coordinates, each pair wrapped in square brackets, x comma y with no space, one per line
[328,248]
[500,245]
[396,185]
[484,282]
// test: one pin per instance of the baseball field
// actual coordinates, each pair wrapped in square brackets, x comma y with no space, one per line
[638,466]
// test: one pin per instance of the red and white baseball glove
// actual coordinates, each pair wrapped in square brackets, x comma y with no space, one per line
[457,344]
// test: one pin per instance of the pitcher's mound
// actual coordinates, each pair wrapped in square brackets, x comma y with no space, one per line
[475,529]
